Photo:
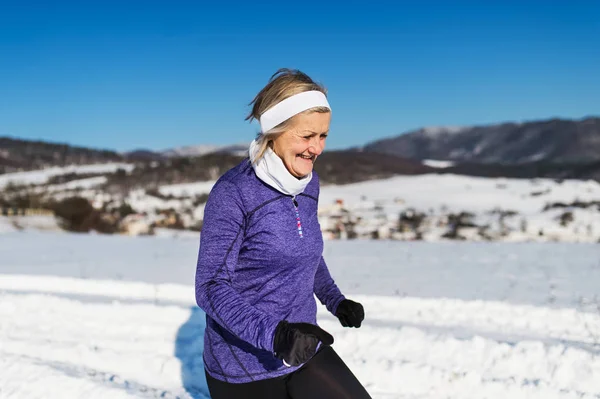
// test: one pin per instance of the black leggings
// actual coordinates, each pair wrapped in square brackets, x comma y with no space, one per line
[325,376]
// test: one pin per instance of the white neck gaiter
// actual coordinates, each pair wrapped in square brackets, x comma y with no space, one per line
[271,170]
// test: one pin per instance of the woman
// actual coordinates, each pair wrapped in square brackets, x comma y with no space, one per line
[260,261]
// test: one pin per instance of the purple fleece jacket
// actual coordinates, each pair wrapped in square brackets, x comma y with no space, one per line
[255,269]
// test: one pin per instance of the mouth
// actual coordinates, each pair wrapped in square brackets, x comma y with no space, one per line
[308,158]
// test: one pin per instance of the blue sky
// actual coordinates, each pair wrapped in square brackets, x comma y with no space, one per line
[142,74]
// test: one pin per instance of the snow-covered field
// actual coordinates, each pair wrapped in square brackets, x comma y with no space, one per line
[111,316]
[42,176]
[465,192]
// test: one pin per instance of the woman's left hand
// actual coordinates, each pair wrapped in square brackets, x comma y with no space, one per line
[350,313]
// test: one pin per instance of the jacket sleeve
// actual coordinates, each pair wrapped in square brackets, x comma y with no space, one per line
[220,241]
[325,288]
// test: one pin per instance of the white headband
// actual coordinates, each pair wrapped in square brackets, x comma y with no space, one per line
[291,106]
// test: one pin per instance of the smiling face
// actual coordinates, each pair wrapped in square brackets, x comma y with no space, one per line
[303,142]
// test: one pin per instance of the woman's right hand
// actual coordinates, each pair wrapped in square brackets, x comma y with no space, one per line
[296,343]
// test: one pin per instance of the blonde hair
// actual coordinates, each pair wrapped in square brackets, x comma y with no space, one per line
[283,84]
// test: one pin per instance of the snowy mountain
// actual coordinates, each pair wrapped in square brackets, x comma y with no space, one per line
[189,151]
[554,140]
[199,150]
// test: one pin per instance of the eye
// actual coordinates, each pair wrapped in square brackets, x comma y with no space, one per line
[324,136]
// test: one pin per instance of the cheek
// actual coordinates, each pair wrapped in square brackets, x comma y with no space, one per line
[292,150]
[300,147]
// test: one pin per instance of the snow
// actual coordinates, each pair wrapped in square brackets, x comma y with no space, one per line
[192,150]
[111,316]
[67,188]
[142,202]
[518,273]
[435,191]
[434,163]
[68,348]
[42,176]
[465,192]
[374,207]
[435,131]
[436,195]
[9,224]
[88,183]
[204,149]
[187,189]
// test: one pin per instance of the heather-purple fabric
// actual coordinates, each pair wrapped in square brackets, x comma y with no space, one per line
[255,269]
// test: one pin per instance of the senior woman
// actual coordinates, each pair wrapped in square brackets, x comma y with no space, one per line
[260,261]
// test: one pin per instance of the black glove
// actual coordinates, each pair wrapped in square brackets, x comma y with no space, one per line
[295,343]
[350,313]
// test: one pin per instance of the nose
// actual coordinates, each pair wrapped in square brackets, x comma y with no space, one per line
[316,146]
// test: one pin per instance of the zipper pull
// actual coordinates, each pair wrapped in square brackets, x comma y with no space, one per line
[295,202]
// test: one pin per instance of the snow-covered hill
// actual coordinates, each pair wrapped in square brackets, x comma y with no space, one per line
[42,176]
[507,209]
[498,208]
[429,207]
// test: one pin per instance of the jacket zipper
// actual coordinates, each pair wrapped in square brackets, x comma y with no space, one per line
[298,223]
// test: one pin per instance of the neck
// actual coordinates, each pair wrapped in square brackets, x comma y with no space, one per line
[270,145]
[272,170]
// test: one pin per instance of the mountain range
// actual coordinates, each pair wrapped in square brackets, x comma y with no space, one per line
[557,148]
[553,140]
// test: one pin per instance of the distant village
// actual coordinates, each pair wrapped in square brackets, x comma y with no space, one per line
[146,212]
[339,222]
